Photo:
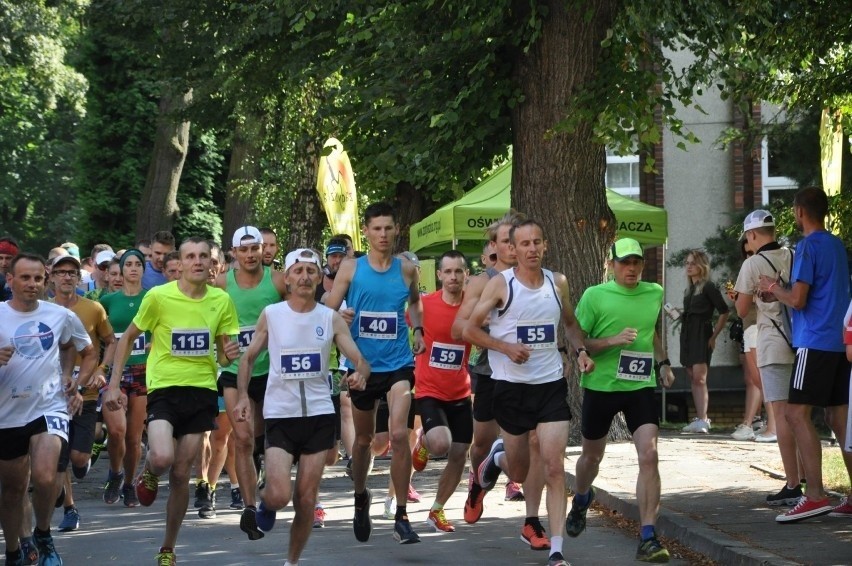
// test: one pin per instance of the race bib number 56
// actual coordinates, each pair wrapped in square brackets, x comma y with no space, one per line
[301,364]
[190,342]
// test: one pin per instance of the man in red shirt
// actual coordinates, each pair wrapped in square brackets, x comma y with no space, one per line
[443,387]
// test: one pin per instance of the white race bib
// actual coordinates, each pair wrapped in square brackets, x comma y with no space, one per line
[377,325]
[139,345]
[301,364]
[57,424]
[446,356]
[635,366]
[190,342]
[245,337]
[537,334]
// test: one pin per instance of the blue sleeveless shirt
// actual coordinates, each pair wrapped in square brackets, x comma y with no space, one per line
[379,328]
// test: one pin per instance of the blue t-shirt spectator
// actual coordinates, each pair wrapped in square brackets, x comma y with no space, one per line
[151,277]
[821,263]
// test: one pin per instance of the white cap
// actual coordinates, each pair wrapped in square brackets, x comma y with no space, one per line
[246,236]
[758,219]
[104,257]
[412,257]
[303,255]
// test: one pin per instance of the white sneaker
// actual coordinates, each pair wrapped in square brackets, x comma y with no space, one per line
[743,432]
[761,430]
[390,508]
[697,425]
[766,437]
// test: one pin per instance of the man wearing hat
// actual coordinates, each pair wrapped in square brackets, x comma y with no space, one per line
[619,319]
[298,411]
[335,253]
[8,250]
[252,286]
[102,255]
[774,341]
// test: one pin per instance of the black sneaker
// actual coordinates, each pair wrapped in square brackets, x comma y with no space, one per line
[403,533]
[652,551]
[361,524]
[248,523]
[47,554]
[576,521]
[202,494]
[787,496]
[236,499]
[208,511]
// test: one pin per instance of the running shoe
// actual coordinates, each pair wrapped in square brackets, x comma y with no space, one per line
[202,494]
[254,522]
[97,448]
[361,524]
[556,559]
[166,557]
[787,496]
[147,485]
[743,432]
[765,437]
[652,551]
[533,534]
[438,521]
[208,511]
[128,493]
[29,552]
[513,492]
[842,510]
[473,503]
[697,426]
[403,533]
[390,508]
[236,499]
[70,521]
[413,495]
[419,454]
[575,524]
[489,471]
[47,555]
[805,509]
[349,468]
[112,488]
[14,559]
[319,517]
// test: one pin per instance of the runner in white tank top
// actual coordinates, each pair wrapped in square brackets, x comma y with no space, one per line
[529,397]
[297,407]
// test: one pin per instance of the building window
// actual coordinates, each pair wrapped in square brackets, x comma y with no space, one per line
[772,181]
[622,174]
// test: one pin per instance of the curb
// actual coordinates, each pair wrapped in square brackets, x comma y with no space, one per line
[694,534]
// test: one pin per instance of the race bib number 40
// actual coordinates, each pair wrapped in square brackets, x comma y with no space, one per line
[190,342]
[446,356]
[245,337]
[301,364]
[377,325]
[634,366]
[537,334]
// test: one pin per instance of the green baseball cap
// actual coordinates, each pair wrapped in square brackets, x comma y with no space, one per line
[624,248]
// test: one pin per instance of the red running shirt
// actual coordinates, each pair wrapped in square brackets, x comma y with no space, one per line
[441,371]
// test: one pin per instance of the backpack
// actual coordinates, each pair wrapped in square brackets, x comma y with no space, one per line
[786,326]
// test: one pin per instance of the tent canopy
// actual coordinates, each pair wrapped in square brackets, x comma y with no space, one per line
[462,223]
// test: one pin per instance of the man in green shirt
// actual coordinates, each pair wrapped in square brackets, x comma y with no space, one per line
[184,318]
[619,319]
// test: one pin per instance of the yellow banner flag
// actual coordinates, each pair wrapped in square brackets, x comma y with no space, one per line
[831,150]
[336,187]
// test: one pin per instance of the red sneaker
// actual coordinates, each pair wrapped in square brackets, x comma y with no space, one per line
[438,521]
[842,510]
[534,535]
[146,488]
[473,507]
[805,509]
[419,454]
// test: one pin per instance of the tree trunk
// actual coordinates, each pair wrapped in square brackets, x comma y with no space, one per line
[243,169]
[411,206]
[158,207]
[558,178]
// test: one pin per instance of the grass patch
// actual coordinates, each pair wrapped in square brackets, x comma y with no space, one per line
[834,474]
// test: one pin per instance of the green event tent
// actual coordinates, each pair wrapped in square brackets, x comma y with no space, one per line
[461,224]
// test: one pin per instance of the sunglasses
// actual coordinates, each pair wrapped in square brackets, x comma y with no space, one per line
[103,266]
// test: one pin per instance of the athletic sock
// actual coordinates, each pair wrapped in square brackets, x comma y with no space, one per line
[583,499]
[361,499]
[437,506]
[69,507]
[555,545]
[647,532]
[400,512]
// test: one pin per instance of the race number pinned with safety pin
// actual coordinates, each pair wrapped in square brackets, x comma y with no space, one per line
[635,366]
[190,342]
[139,345]
[301,364]
[57,424]
[377,325]
[537,334]
[446,356]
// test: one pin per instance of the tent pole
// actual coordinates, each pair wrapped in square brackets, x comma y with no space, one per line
[665,337]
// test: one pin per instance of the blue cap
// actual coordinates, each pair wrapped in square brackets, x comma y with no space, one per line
[335,249]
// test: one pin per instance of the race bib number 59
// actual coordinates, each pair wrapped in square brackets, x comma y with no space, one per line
[190,342]
[446,356]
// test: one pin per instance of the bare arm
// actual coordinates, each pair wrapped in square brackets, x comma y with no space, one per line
[493,296]
[472,293]
[572,328]
[415,306]
[665,371]
[344,341]
[227,350]
[342,281]
[122,352]
[623,338]
[795,297]
[743,304]
[259,342]
[280,282]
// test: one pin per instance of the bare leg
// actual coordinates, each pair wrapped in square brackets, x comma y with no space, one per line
[799,419]
[698,374]
[648,481]
[186,448]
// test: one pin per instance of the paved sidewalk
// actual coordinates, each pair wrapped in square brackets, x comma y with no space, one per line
[714,502]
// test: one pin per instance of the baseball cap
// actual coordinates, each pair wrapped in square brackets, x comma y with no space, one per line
[72,249]
[335,249]
[246,236]
[303,255]
[757,219]
[412,257]
[103,257]
[624,248]
[65,258]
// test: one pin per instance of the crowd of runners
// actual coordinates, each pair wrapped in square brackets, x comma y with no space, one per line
[271,371]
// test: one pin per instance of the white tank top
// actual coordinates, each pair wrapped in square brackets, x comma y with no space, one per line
[299,347]
[532,317]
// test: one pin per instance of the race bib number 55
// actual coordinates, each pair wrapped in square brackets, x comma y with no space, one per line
[190,342]
[536,334]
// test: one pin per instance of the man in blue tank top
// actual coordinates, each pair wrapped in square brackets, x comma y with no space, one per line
[376,288]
